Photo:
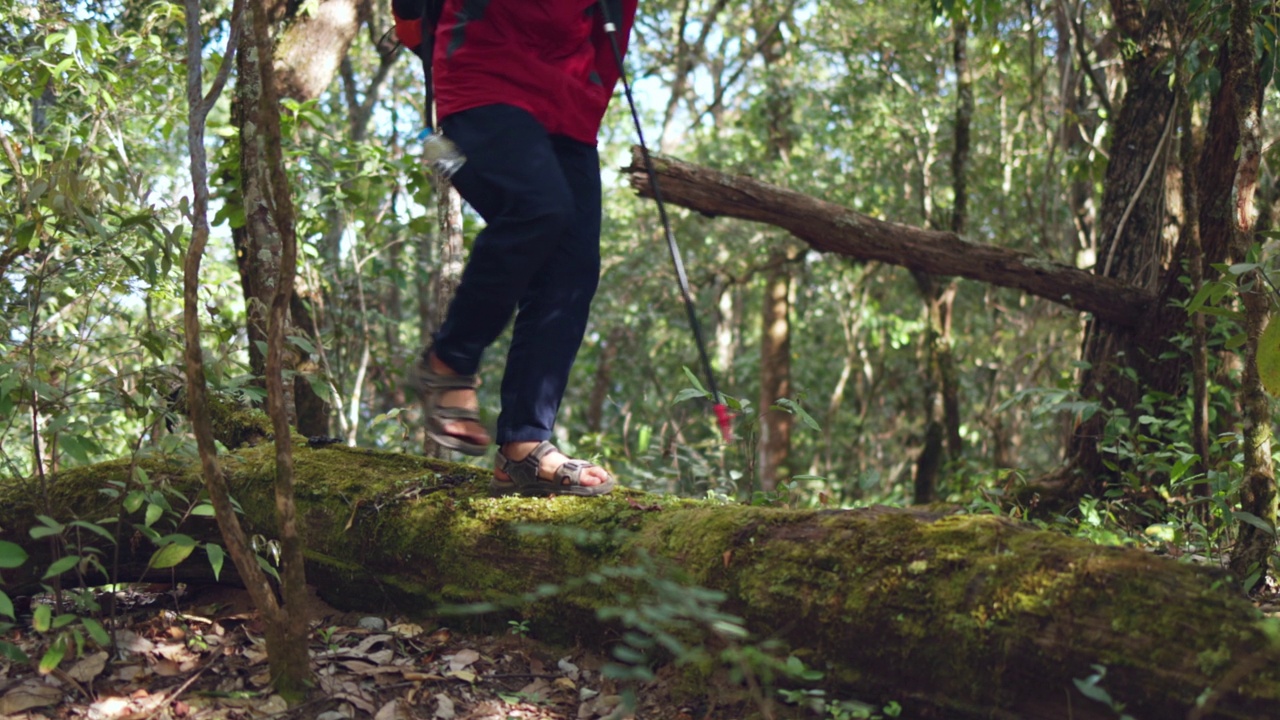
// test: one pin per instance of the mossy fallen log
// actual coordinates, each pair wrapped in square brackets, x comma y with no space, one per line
[963,616]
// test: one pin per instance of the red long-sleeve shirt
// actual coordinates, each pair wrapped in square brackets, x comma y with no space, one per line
[549,57]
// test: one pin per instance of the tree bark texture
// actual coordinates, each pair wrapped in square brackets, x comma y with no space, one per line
[775,317]
[287,628]
[1130,239]
[312,46]
[828,227]
[286,640]
[307,57]
[962,616]
[775,373]
[1254,545]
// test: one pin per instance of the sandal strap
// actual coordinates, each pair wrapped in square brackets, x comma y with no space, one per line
[439,381]
[525,472]
[447,413]
[570,472]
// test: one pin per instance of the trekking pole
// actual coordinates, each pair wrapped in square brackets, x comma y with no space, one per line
[722,412]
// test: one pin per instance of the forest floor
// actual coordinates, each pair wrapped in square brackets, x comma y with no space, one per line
[199,655]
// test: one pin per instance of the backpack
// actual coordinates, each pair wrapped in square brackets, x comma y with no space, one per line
[416,22]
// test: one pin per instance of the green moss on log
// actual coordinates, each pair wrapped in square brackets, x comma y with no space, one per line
[969,613]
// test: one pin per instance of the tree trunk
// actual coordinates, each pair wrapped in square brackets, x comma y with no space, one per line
[444,281]
[287,631]
[775,373]
[966,616]
[942,396]
[775,317]
[1251,556]
[1130,227]
[310,50]
[313,46]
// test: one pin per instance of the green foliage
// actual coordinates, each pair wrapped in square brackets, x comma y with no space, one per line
[1091,688]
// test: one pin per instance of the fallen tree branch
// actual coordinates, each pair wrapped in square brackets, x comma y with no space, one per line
[828,227]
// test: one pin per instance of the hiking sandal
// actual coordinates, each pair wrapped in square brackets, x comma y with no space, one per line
[524,479]
[430,385]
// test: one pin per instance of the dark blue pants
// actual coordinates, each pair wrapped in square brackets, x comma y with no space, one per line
[537,258]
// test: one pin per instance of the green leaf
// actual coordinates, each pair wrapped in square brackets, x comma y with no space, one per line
[94,528]
[1092,691]
[41,618]
[793,407]
[1254,520]
[53,656]
[69,41]
[170,555]
[40,531]
[693,380]
[60,566]
[79,447]
[11,555]
[133,501]
[203,510]
[1236,341]
[50,522]
[6,606]
[266,567]
[216,557]
[689,394]
[96,631]
[1269,358]
[13,652]
[154,513]
[303,343]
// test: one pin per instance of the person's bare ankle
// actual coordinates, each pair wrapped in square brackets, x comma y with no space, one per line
[518,450]
[437,365]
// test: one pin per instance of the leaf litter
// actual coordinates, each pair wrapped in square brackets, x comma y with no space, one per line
[208,661]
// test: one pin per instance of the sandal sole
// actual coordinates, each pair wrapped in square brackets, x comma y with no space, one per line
[457,444]
[498,488]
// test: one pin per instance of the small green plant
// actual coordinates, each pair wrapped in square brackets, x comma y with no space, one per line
[1091,687]
[746,438]
[518,627]
[62,631]
[326,635]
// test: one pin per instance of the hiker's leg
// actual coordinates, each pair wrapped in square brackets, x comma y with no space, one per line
[553,310]
[513,179]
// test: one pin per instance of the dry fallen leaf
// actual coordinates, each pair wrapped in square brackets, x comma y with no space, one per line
[30,694]
[110,709]
[166,668]
[89,667]
[565,683]
[568,668]
[366,644]
[133,642]
[537,691]
[414,676]
[444,707]
[255,656]
[463,675]
[390,711]
[462,659]
[406,630]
